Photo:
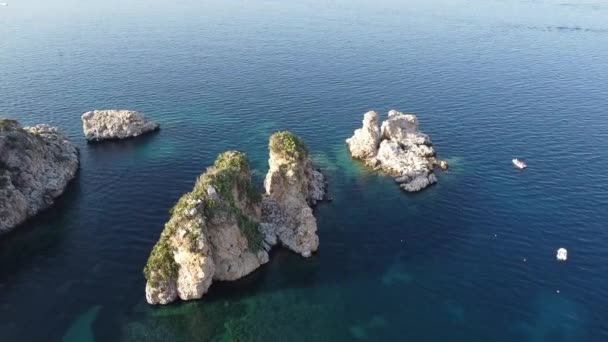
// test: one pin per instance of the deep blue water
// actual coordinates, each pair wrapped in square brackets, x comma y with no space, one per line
[490,80]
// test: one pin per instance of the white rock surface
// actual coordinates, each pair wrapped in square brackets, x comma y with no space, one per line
[115,124]
[364,143]
[404,152]
[36,164]
[292,187]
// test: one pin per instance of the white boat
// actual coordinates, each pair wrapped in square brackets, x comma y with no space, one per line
[3,3]
[562,254]
[519,164]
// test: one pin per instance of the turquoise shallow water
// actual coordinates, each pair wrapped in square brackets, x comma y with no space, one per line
[489,80]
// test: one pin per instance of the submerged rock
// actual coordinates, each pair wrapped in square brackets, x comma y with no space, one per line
[36,164]
[292,187]
[115,124]
[211,235]
[401,150]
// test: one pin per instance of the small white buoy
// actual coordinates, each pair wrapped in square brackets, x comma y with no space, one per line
[524,259]
[557,291]
[562,254]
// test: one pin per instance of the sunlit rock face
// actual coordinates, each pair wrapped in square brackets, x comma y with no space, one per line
[224,228]
[36,164]
[292,187]
[398,148]
[213,234]
[364,143]
[115,124]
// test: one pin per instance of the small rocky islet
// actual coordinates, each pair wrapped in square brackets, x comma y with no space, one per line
[113,124]
[398,148]
[224,228]
[36,164]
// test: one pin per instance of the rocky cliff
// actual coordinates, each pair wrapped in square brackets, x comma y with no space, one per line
[215,231]
[398,148]
[115,124]
[36,164]
[292,187]
[213,234]
[364,143]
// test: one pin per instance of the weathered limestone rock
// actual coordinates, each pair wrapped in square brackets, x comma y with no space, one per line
[213,234]
[292,187]
[419,182]
[404,152]
[224,229]
[36,164]
[115,124]
[364,143]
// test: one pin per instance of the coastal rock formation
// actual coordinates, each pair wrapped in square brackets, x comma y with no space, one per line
[364,143]
[115,124]
[213,234]
[223,229]
[401,150]
[292,187]
[36,164]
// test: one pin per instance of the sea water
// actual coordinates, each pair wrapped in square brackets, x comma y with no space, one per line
[469,259]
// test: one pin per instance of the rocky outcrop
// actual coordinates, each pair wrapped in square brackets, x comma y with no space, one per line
[36,164]
[401,149]
[223,229]
[213,234]
[115,124]
[292,187]
[364,143]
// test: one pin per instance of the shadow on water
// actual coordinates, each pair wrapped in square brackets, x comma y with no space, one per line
[40,235]
[125,145]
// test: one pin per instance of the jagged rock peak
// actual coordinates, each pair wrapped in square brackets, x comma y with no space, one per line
[292,188]
[364,143]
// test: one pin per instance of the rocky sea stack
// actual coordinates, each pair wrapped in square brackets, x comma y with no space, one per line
[216,232]
[398,148]
[115,124]
[36,164]
[292,188]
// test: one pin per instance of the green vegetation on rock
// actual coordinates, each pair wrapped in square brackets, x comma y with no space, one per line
[161,266]
[288,145]
[229,175]
[8,124]
[15,136]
